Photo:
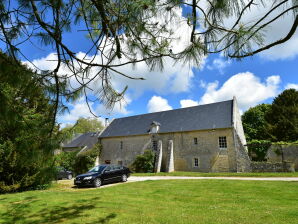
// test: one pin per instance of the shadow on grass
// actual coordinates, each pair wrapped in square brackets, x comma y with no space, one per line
[92,187]
[25,212]
[103,220]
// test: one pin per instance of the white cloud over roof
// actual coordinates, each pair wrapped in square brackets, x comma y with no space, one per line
[157,103]
[247,87]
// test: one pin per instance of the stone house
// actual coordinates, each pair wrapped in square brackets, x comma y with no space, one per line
[204,138]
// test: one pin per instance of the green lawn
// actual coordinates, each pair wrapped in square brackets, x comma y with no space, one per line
[198,174]
[167,201]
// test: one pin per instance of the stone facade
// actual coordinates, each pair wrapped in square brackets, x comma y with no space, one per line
[219,146]
[185,151]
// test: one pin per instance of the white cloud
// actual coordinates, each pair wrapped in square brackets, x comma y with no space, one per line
[291,86]
[275,31]
[118,109]
[77,110]
[157,103]
[188,103]
[219,64]
[174,78]
[248,89]
[80,109]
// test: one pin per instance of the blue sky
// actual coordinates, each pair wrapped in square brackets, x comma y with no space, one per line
[253,80]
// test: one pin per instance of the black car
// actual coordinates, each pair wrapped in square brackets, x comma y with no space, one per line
[63,173]
[102,174]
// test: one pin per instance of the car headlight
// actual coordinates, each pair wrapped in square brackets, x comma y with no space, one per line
[88,178]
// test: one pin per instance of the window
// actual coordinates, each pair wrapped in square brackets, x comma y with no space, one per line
[195,140]
[154,145]
[222,141]
[121,145]
[120,162]
[116,167]
[196,162]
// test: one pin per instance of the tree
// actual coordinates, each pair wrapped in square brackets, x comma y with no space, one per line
[26,117]
[282,118]
[128,32]
[82,125]
[254,123]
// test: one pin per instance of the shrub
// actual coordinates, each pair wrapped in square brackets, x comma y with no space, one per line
[86,160]
[144,163]
[66,160]
[78,163]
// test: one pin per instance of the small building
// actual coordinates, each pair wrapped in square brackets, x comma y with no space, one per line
[204,138]
[82,142]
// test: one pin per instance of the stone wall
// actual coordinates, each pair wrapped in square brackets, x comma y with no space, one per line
[131,147]
[279,153]
[259,167]
[184,149]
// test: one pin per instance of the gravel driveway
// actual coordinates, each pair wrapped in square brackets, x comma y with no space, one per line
[135,178]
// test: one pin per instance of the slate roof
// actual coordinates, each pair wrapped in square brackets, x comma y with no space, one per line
[88,139]
[202,117]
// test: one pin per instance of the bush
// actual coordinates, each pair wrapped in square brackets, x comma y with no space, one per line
[78,163]
[86,160]
[66,160]
[144,163]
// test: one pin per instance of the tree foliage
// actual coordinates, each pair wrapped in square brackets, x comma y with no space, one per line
[82,125]
[26,118]
[128,32]
[254,123]
[282,118]
[66,160]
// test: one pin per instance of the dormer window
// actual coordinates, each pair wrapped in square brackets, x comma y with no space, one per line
[154,128]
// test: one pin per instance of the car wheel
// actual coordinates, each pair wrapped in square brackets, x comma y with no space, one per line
[69,176]
[97,182]
[124,178]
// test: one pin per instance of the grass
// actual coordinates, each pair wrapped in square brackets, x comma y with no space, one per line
[198,174]
[166,201]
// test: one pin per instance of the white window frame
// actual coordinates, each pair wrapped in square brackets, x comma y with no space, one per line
[222,141]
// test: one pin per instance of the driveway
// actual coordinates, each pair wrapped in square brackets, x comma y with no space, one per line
[136,178]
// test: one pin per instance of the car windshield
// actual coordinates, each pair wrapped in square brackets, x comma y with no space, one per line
[97,169]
